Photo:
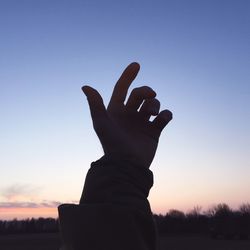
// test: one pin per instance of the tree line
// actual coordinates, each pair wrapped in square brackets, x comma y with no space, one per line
[39,225]
[220,221]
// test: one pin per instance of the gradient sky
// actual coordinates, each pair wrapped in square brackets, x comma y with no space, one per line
[194,54]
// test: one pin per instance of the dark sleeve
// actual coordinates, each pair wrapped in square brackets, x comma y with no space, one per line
[114,212]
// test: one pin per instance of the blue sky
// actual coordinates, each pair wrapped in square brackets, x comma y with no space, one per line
[195,54]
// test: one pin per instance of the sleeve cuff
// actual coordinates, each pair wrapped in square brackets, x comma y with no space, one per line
[114,180]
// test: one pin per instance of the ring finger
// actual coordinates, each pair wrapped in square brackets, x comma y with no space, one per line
[149,107]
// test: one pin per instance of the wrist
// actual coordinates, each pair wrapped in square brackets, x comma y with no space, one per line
[125,159]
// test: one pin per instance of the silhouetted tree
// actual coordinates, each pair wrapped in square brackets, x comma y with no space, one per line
[196,221]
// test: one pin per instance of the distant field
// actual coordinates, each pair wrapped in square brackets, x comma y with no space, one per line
[30,242]
[52,242]
[197,242]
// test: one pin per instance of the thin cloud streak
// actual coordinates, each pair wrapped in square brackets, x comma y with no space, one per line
[18,190]
[17,204]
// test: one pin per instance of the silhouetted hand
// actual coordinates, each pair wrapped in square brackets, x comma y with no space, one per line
[124,129]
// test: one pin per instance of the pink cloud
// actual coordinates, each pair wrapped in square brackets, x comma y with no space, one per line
[21,204]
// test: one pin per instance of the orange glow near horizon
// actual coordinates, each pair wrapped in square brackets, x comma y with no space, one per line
[25,213]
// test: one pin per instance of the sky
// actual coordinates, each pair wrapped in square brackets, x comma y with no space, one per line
[195,54]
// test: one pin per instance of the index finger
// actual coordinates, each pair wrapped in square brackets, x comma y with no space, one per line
[122,85]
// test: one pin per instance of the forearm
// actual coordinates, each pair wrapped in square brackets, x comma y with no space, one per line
[114,212]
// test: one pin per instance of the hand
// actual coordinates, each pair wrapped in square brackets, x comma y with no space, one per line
[125,129]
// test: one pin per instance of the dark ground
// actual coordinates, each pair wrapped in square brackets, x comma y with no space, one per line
[48,241]
[201,242]
[190,242]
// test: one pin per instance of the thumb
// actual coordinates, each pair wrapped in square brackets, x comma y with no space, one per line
[96,106]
